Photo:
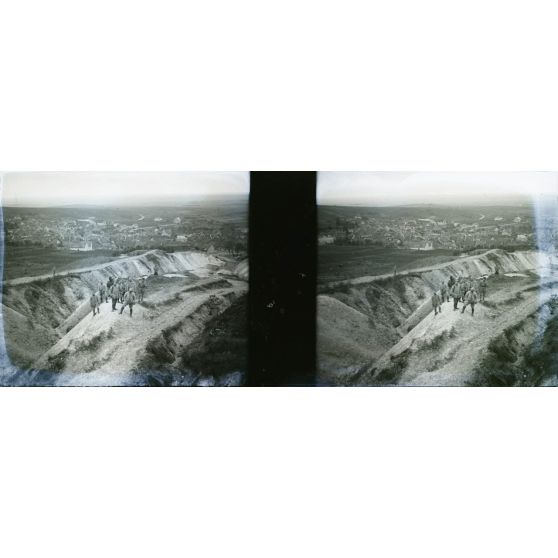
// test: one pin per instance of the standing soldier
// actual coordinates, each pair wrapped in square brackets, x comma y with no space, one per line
[444,293]
[102,293]
[129,300]
[141,289]
[470,298]
[463,289]
[482,289]
[476,284]
[114,295]
[451,282]
[109,284]
[436,303]
[94,302]
[121,291]
[455,294]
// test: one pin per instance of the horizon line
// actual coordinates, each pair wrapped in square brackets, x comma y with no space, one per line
[146,202]
[448,204]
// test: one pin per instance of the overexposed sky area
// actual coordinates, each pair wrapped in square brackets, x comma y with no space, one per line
[410,188]
[111,188]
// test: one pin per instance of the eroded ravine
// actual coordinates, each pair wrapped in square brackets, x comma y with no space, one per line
[370,330]
[51,333]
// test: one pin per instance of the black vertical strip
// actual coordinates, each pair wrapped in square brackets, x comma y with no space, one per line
[282,299]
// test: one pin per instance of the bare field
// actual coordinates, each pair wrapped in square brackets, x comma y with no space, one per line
[30,261]
[340,262]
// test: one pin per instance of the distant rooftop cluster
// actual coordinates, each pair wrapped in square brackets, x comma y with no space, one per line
[443,229]
[62,230]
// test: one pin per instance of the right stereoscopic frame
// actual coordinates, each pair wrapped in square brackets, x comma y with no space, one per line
[437,279]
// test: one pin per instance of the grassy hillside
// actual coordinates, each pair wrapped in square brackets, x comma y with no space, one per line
[28,261]
[336,263]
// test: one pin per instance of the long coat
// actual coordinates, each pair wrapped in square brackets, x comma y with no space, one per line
[94,300]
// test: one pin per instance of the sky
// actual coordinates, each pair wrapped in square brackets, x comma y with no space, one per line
[411,188]
[344,188]
[39,189]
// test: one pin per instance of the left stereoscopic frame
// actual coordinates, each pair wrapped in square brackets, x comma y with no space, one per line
[124,279]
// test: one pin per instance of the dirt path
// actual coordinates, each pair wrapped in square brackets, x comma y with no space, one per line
[460,340]
[104,349]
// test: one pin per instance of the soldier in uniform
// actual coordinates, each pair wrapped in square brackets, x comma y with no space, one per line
[476,284]
[141,289]
[482,289]
[455,294]
[129,300]
[436,303]
[94,302]
[114,295]
[471,298]
[444,293]
[464,288]
[102,293]
[121,291]
[457,288]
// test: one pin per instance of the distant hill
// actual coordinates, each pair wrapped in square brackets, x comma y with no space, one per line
[215,207]
[142,202]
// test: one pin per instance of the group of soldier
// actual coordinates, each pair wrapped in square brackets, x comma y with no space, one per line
[467,290]
[123,290]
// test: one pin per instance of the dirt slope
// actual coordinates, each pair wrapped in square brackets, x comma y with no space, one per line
[446,349]
[51,332]
[398,340]
[488,263]
[110,348]
[135,265]
[344,339]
